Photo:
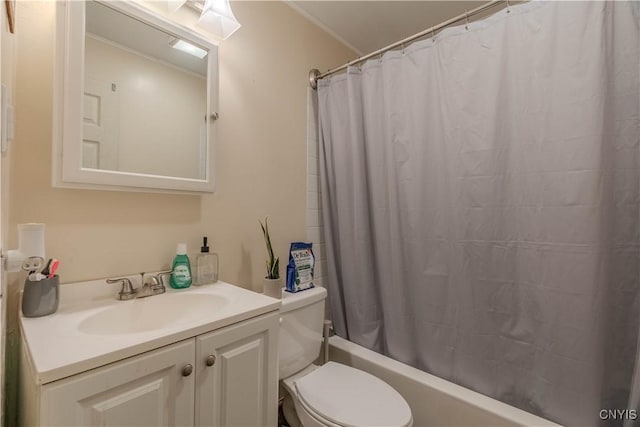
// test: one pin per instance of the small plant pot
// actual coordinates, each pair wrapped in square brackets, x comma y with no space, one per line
[272,288]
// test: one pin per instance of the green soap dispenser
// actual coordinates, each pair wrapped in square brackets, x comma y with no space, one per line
[181,276]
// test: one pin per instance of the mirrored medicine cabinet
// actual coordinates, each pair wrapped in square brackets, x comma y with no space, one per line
[135,100]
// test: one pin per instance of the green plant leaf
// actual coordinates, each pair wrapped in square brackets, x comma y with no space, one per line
[273,263]
[275,269]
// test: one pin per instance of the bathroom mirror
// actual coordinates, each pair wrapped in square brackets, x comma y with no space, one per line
[135,100]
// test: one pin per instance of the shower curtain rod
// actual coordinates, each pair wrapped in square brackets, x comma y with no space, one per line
[315,74]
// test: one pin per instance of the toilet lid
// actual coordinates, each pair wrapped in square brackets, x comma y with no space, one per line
[352,398]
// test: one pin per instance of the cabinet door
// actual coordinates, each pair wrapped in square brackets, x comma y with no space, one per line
[240,388]
[146,390]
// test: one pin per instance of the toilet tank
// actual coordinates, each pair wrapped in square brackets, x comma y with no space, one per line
[301,323]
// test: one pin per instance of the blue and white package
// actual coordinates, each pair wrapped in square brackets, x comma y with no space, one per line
[300,267]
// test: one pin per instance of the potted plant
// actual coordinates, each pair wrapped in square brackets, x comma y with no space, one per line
[272,285]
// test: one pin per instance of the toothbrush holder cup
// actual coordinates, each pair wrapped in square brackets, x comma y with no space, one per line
[41,298]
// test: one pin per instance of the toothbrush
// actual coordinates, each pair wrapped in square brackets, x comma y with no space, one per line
[45,270]
[54,267]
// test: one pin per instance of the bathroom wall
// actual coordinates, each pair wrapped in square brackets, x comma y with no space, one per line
[7,367]
[261,151]
[314,217]
[261,166]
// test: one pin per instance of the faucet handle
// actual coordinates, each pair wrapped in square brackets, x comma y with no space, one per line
[160,277]
[149,282]
[127,291]
[124,280]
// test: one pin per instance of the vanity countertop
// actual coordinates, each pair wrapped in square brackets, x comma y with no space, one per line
[91,328]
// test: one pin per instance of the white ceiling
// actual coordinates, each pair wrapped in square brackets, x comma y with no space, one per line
[367,26]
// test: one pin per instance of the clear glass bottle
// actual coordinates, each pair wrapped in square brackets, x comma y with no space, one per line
[206,270]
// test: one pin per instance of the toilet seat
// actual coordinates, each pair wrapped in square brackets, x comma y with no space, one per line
[348,397]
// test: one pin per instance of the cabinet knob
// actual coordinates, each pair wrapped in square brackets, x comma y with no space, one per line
[187,370]
[210,360]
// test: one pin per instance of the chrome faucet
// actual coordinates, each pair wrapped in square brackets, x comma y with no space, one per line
[152,286]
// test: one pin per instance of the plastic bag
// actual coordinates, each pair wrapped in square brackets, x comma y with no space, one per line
[300,267]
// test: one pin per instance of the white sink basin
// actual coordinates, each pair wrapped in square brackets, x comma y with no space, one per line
[151,313]
[92,329]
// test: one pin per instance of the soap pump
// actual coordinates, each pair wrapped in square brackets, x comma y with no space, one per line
[206,265]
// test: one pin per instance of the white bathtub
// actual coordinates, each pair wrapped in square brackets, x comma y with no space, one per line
[433,401]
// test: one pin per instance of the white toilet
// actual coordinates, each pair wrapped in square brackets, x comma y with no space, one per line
[333,394]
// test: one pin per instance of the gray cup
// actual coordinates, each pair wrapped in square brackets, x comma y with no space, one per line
[41,297]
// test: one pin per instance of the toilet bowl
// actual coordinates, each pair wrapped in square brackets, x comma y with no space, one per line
[337,395]
[333,394]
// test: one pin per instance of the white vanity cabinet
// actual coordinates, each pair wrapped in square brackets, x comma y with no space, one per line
[226,377]
[146,390]
[236,375]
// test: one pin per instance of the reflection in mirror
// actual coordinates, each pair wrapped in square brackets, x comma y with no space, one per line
[145,98]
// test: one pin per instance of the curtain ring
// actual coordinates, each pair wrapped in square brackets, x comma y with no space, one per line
[402,48]
[433,34]
[508,7]
[466,20]
[380,57]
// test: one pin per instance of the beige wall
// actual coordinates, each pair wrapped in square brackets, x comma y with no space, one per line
[261,168]
[261,151]
[8,365]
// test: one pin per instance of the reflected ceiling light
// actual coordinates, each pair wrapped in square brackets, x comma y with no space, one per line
[173,5]
[188,48]
[218,18]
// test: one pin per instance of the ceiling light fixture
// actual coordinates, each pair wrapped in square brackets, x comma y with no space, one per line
[188,48]
[218,18]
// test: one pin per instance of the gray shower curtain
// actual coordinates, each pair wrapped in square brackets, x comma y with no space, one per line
[481,198]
